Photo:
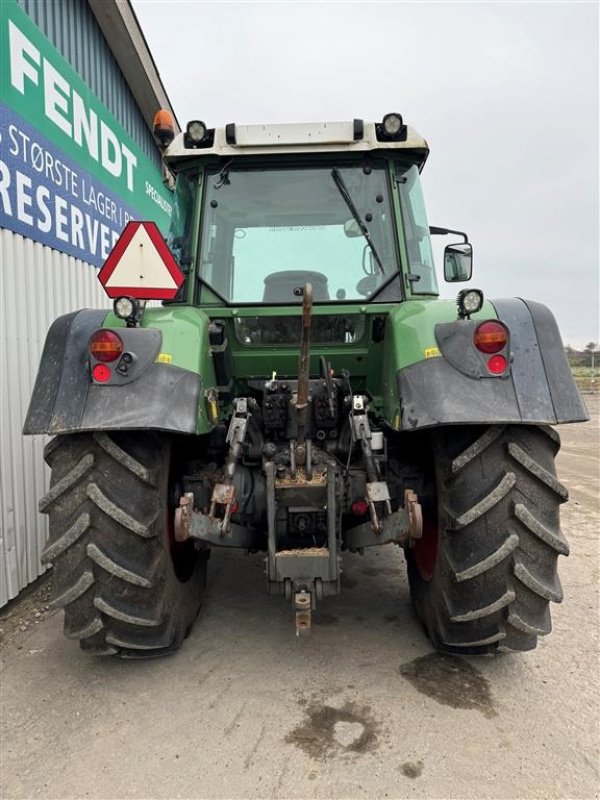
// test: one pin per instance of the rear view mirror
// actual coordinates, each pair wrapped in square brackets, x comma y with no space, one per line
[458,263]
[352,229]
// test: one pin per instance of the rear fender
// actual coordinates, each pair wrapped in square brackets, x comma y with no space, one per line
[538,388]
[149,395]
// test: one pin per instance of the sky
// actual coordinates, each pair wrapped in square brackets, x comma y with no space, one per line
[505,93]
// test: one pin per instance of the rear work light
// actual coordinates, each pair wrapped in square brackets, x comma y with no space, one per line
[490,337]
[105,346]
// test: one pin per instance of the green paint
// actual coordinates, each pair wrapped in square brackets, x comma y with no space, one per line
[373,365]
[411,339]
[185,342]
[185,335]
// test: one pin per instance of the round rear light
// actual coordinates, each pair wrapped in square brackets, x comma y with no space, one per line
[106,345]
[101,373]
[490,337]
[496,364]
[359,508]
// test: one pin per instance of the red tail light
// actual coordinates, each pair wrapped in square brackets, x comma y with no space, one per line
[497,364]
[359,508]
[490,337]
[105,346]
[101,373]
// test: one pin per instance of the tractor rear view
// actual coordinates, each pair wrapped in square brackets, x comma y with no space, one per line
[301,392]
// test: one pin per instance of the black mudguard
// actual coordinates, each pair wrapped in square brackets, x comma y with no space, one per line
[538,390]
[65,399]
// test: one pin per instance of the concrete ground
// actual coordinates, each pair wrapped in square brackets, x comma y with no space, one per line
[362,708]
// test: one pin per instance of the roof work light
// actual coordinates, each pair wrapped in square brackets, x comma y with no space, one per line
[195,133]
[391,128]
[392,124]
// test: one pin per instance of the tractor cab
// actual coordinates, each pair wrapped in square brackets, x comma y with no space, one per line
[338,205]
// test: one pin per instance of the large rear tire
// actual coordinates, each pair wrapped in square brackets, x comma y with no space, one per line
[484,574]
[127,588]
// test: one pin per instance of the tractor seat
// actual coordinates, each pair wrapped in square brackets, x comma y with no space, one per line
[286,287]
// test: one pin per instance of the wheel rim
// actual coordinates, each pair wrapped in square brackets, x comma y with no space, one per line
[425,550]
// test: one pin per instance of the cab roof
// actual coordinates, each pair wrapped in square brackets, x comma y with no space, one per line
[354,136]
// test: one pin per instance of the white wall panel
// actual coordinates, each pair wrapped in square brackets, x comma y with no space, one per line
[37,285]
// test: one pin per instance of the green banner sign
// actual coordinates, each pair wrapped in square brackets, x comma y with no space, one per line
[70,175]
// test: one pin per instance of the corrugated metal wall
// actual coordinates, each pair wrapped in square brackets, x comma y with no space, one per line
[37,284]
[72,28]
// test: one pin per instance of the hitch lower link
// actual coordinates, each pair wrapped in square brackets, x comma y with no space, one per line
[398,526]
[212,526]
[223,493]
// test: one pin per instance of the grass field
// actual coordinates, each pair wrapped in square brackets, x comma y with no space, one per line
[586,378]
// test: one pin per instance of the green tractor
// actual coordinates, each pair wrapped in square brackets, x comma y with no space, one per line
[304,393]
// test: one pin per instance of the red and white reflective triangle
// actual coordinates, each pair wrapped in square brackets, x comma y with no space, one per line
[141,265]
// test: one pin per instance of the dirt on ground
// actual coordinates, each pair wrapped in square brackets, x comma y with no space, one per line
[25,611]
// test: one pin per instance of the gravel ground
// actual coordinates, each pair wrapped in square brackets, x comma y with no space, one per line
[361,709]
[30,608]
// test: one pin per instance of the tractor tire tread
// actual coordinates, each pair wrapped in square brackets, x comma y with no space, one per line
[490,561]
[538,471]
[120,516]
[125,459]
[73,476]
[109,564]
[476,449]
[500,539]
[67,539]
[491,499]
[109,545]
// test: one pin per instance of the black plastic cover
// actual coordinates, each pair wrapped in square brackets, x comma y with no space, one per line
[567,402]
[539,390]
[66,400]
[455,341]
[433,393]
[63,378]
[140,348]
[162,398]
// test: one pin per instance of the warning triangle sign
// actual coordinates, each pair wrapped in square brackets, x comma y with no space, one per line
[141,265]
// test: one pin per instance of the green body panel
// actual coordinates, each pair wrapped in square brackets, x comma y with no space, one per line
[409,338]
[185,344]
[380,335]
[184,336]
[373,365]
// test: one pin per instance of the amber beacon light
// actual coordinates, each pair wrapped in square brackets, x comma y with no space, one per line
[163,128]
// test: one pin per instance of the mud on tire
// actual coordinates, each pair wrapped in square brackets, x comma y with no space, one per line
[498,539]
[122,590]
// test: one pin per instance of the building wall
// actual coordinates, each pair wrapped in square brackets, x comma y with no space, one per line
[44,272]
[37,284]
[72,28]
